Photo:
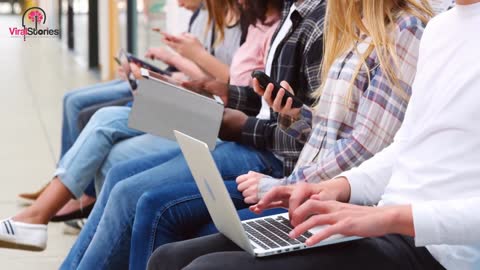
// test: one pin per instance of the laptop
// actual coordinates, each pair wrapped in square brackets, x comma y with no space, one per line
[160,107]
[260,237]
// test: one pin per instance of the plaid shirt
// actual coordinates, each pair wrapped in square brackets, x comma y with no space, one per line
[346,132]
[297,60]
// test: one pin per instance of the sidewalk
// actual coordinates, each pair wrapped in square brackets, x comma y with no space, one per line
[33,77]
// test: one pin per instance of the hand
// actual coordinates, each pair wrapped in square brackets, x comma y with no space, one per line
[136,71]
[248,185]
[276,104]
[161,54]
[121,73]
[232,125]
[351,220]
[293,196]
[209,85]
[187,45]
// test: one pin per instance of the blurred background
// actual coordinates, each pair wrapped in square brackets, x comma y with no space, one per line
[34,75]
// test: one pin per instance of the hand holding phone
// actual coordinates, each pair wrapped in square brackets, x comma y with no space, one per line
[278,95]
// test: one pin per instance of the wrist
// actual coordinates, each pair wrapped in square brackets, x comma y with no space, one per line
[400,220]
[341,185]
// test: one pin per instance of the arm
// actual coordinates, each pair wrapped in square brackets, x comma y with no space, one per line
[452,222]
[244,99]
[379,116]
[187,67]
[212,66]
[190,47]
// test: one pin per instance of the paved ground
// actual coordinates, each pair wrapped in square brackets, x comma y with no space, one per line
[33,77]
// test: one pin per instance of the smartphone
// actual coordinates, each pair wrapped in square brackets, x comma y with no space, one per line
[122,60]
[117,60]
[146,65]
[264,80]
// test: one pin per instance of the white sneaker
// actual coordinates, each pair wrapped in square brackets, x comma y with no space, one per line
[18,235]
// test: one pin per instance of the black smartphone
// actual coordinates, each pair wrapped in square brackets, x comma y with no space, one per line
[146,65]
[264,80]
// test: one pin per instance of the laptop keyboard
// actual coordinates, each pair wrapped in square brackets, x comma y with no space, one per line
[272,233]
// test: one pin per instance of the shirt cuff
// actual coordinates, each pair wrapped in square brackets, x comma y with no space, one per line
[356,180]
[267,184]
[424,224]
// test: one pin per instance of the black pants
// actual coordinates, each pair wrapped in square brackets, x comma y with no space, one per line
[218,252]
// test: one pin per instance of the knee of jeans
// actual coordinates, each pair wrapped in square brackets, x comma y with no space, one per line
[103,114]
[123,198]
[72,103]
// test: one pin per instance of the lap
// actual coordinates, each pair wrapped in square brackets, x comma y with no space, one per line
[217,252]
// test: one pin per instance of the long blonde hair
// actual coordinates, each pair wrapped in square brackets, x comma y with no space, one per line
[346,20]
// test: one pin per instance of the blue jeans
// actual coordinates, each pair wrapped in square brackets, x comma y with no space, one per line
[105,240]
[76,100]
[164,217]
[91,155]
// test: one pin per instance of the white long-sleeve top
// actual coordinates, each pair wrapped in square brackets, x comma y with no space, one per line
[434,162]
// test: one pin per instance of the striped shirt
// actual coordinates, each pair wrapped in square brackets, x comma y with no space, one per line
[341,133]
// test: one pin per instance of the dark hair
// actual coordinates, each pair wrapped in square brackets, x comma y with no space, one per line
[255,10]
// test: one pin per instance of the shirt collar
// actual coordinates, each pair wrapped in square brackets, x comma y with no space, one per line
[307,6]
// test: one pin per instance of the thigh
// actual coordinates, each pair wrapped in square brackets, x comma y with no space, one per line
[180,254]
[95,94]
[389,252]
[235,159]
[136,155]
[87,113]
[144,146]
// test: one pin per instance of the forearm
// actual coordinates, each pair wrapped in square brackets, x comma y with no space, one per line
[187,67]
[244,99]
[212,66]
[447,222]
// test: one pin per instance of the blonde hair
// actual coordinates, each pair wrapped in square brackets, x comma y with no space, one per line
[219,12]
[346,20]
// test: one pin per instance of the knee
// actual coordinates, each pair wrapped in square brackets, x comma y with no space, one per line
[103,114]
[167,257]
[116,174]
[121,196]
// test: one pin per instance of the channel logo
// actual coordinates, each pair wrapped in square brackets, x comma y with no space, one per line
[34,20]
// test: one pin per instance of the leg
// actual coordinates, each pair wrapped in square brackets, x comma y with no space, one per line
[87,113]
[389,252]
[120,172]
[76,100]
[157,223]
[81,163]
[137,147]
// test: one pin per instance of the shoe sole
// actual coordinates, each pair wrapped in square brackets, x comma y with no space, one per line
[9,245]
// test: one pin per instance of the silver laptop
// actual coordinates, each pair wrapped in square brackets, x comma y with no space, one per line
[161,107]
[260,237]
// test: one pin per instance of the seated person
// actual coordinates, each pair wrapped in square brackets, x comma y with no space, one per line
[164,204]
[116,93]
[425,183]
[82,161]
